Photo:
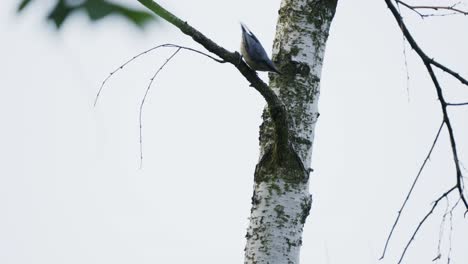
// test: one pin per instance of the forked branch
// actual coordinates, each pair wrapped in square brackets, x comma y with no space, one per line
[452,9]
[121,67]
[434,205]
[140,116]
[167,45]
[430,63]
[423,165]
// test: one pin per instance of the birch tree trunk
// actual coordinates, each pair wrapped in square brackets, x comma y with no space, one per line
[281,200]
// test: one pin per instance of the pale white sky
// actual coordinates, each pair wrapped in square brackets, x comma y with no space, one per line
[71,190]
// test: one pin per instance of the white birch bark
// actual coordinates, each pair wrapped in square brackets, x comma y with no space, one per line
[281,201]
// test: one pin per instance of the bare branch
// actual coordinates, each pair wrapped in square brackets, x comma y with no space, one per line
[449,71]
[409,7]
[167,45]
[457,104]
[144,99]
[436,202]
[453,9]
[428,62]
[448,124]
[411,189]
[449,253]
[441,230]
[416,47]
[406,62]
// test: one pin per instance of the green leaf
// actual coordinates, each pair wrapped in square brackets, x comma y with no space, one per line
[22,5]
[98,9]
[139,18]
[60,12]
[95,9]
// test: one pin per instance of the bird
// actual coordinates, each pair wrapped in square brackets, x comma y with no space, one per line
[253,52]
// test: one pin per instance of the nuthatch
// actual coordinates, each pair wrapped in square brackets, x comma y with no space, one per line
[253,52]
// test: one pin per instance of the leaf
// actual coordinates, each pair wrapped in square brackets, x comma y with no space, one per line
[139,18]
[60,12]
[98,9]
[22,5]
[95,9]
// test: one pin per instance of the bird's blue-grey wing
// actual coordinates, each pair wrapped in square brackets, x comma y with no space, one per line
[255,49]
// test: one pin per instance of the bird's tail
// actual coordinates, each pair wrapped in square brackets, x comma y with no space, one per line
[273,68]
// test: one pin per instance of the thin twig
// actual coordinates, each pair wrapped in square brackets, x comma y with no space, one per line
[452,9]
[409,7]
[407,69]
[457,104]
[167,45]
[144,99]
[406,62]
[411,189]
[449,253]
[441,231]
[436,202]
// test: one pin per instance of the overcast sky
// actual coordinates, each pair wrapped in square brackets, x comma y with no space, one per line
[71,190]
